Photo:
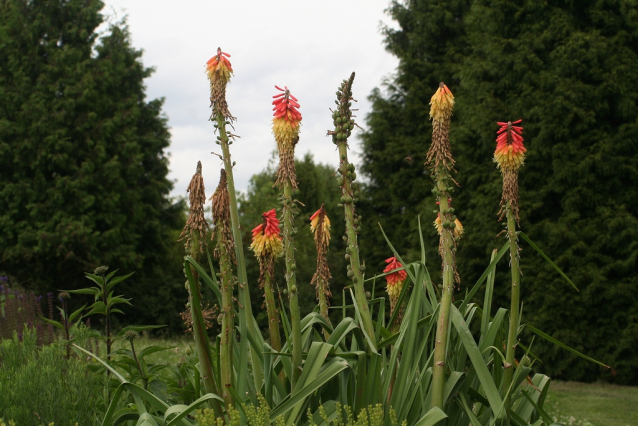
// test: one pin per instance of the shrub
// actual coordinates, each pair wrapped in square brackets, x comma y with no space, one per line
[40,386]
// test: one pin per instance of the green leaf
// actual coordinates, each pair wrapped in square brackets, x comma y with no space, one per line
[116,280]
[432,417]
[138,328]
[76,313]
[562,345]
[53,323]
[484,276]
[555,266]
[98,359]
[213,284]
[482,372]
[92,290]
[113,405]
[332,368]
[184,410]
[97,308]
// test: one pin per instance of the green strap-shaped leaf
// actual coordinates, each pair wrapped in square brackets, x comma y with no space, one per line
[483,277]
[562,345]
[482,372]
[432,417]
[555,266]
[184,410]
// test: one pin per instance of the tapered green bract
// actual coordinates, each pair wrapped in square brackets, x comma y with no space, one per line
[344,124]
[224,251]
[195,234]
[440,161]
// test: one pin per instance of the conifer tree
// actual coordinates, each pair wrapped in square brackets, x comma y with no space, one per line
[570,71]
[82,161]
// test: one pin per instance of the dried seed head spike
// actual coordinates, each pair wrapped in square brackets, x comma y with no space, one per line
[441,105]
[219,71]
[196,224]
[285,127]
[221,215]
[510,157]
[320,226]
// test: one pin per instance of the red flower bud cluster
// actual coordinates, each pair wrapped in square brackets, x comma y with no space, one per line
[213,62]
[285,106]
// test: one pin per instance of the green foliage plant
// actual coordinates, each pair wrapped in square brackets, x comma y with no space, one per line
[344,125]
[104,300]
[40,385]
[68,319]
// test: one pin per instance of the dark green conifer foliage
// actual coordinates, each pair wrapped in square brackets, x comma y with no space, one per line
[82,162]
[570,70]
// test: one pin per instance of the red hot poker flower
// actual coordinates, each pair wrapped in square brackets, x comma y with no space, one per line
[220,58]
[394,278]
[285,106]
[510,151]
[266,236]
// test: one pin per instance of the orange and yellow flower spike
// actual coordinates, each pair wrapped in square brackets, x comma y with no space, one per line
[320,217]
[285,127]
[441,105]
[218,67]
[219,70]
[267,240]
[510,157]
[394,280]
[510,151]
[320,226]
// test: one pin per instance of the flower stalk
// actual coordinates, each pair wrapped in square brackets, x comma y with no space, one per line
[268,246]
[219,71]
[440,161]
[344,124]
[320,226]
[224,252]
[510,157]
[285,127]
[195,234]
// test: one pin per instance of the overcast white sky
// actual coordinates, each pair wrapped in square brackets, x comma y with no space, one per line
[309,46]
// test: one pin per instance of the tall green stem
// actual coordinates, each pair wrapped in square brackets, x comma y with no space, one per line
[291,278]
[347,173]
[440,345]
[512,337]
[273,315]
[228,323]
[323,303]
[246,320]
[199,329]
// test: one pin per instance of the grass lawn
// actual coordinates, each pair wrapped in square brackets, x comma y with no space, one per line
[601,404]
